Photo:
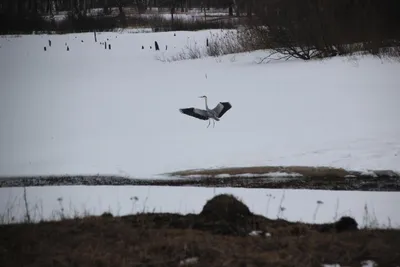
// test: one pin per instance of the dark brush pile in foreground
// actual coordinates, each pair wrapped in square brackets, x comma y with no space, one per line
[218,236]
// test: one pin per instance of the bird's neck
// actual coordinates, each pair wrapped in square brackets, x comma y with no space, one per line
[205,99]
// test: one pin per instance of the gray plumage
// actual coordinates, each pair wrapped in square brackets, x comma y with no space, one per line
[208,114]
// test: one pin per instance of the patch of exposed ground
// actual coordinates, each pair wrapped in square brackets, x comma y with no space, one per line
[315,172]
[218,236]
[295,177]
[291,177]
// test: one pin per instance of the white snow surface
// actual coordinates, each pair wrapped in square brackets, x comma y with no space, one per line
[297,205]
[91,110]
[366,263]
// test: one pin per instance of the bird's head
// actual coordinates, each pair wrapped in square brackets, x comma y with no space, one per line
[203,96]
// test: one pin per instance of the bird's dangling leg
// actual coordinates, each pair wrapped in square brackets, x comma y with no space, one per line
[213,123]
[209,121]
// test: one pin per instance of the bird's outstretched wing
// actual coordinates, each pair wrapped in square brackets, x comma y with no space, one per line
[195,112]
[222,108]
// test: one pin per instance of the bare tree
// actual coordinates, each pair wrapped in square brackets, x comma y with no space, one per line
[141,5]
[106,8]
[121,15]
[294,29]
[236,7]
[249,7]
[172,11]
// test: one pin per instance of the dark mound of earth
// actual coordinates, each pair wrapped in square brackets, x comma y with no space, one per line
[225,214]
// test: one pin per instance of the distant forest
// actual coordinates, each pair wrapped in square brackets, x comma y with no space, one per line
[387,11]
[54,6]
[317,22]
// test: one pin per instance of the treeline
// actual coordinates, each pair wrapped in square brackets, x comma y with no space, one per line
[26,16]
[18,7]
[293,28]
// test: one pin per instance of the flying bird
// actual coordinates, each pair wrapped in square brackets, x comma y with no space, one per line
[208,114]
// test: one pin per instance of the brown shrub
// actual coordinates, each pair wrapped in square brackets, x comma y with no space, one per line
[225,207]
[344,224]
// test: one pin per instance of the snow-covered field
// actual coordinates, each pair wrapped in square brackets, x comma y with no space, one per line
[92,110]
[297,205]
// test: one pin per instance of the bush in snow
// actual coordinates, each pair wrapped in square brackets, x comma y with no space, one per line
[344,224]
[107,215]
[189,52]
[229,42]
[225,207]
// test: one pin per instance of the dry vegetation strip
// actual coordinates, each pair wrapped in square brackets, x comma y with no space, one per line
[303,170]
[101,241]
[296,177]
[218,236]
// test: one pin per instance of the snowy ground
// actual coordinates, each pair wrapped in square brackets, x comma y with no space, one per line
[91,110]
[298,205]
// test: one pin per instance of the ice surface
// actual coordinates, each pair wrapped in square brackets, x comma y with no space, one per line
[299,205]
[367,263]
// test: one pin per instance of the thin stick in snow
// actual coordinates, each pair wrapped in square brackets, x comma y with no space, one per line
[27,215]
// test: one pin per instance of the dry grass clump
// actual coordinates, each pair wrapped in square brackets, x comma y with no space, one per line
[229,42]
[303,170]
